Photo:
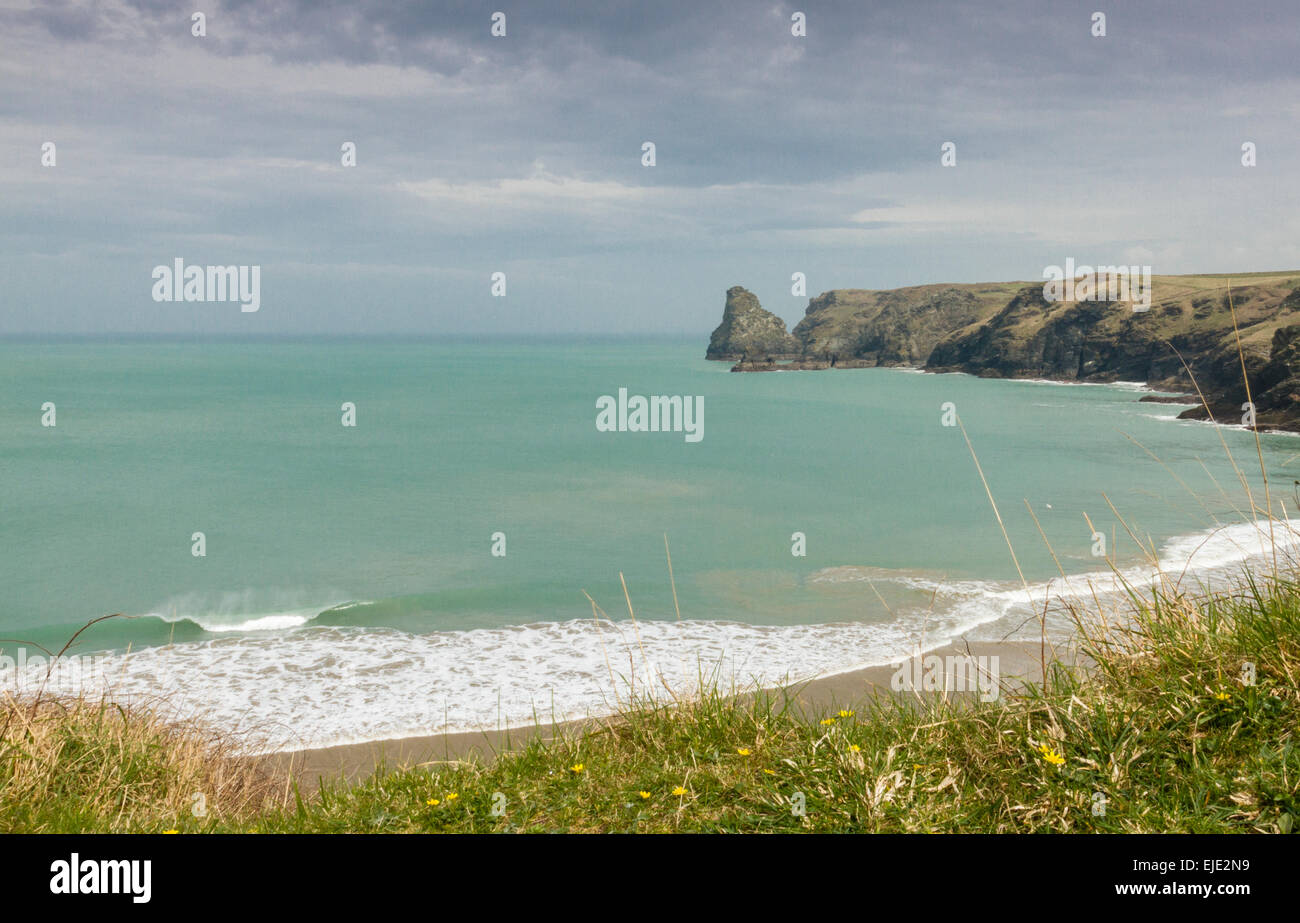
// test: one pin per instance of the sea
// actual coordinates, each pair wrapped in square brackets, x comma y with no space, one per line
[474,552]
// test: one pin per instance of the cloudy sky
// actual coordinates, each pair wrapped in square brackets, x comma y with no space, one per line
[523,155]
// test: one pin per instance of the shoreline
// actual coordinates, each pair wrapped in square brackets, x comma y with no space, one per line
[1018,663]
[294,753]
[1280,428]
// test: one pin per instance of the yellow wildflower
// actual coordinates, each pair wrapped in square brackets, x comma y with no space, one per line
[1223,696]
[679,791]
[644,795]
[827,721]
[1050,755]
[743,751]
[845,714]
[452,796]
[577,768]
[433,802]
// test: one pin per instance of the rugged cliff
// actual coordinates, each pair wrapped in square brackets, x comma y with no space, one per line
[1010,330]
[894,327]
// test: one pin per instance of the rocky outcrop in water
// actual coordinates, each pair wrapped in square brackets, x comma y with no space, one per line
[748,333]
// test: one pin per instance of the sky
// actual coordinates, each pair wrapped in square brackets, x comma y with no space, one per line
[523,154]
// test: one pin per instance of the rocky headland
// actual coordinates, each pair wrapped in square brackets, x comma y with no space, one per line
[1184,341]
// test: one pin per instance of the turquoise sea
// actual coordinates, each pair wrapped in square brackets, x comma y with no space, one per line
[348,589]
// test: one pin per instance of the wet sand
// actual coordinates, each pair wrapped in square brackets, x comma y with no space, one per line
[1016,662]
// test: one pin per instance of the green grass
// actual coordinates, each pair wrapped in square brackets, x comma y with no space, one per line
[1166,726]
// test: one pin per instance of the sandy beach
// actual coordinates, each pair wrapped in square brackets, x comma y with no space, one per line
[1017,662]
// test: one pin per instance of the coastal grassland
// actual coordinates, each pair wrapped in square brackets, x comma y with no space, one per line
[72,765]
[1186,721]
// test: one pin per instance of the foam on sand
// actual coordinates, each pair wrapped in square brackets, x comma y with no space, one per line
[299,684]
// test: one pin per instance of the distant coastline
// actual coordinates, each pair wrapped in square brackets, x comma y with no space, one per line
[1193,339]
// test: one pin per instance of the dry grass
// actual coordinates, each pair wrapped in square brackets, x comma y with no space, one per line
[92,765]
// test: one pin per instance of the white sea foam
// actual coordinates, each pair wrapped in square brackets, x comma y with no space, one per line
[1229,426]
[1141,386]
[242,611]
[318,685]
[272,621]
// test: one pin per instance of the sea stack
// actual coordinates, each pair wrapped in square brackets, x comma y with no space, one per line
[749,332]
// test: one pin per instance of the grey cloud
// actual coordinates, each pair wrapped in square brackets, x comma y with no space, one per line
[773,152]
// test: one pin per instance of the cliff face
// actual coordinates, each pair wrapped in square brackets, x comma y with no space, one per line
[1274,383]
[749,332]
[1088,340]
[1189,321]
[1009,330]
[1276,392]
[898,327]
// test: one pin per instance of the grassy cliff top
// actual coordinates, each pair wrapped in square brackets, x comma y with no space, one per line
[1181,304]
